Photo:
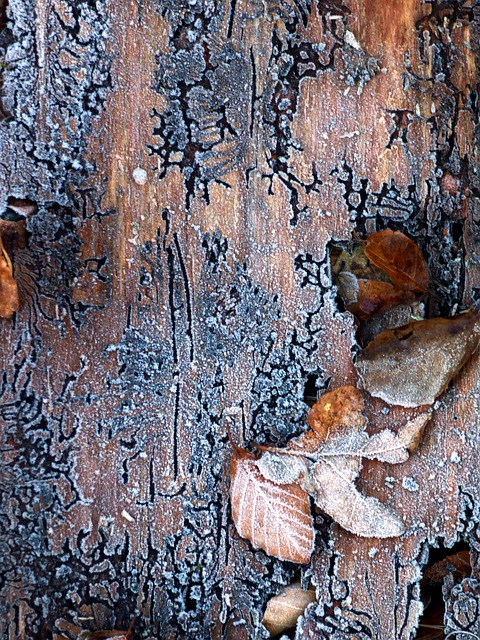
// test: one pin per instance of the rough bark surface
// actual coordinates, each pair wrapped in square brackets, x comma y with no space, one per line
[191,162]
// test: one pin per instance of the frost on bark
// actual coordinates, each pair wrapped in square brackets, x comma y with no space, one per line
[191,163]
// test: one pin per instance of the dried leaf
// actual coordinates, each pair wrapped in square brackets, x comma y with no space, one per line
[284,610]
[8,287]
[341,407]
[457,563]
[411,365]
[337,496]
[396,447]
[365,278]
[274,517]
[400,258]
[375,296]
[269,494]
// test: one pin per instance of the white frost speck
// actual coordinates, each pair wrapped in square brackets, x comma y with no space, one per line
[455,457]
[127,516]
[139,175]
[351,40]
[373,552]
[409,484]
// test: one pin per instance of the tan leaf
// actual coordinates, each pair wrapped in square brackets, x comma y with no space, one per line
[8,287]
[411,365]
[275,518]
[283,611]
[400,258]
[364,516]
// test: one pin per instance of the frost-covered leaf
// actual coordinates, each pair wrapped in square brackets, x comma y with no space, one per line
[365,516]
[396,447]
[283,611]
[411,365]
[274,517]
[269,494]
[8,287]
[400,258]
[282,469]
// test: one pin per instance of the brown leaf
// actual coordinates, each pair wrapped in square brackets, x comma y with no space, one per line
[375,296]
[339,408]
[411,365]
[8,287]
[457,563]
[283,611]
[275,518]
[400,258]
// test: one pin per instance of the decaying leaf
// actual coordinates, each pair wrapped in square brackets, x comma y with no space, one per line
[325,464]
[375,296]
[386,271]
[283,611]
[400,258]
[9,301]
[274,517]
[396,447]
[411,365]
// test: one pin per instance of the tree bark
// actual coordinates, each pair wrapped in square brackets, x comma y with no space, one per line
[192,163]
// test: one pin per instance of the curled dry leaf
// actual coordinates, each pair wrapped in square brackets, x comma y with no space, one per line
[8,287]
[325,464]
[411,365]
[400,258]
[362,278]
[274,517]
[396,447]
[375,296]
[283,611]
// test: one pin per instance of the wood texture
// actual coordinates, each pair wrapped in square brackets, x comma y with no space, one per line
[191,163]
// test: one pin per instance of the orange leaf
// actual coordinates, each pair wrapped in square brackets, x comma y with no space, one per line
[8,287]
[400,258]
[375,296]
[275,518]
[338,408]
